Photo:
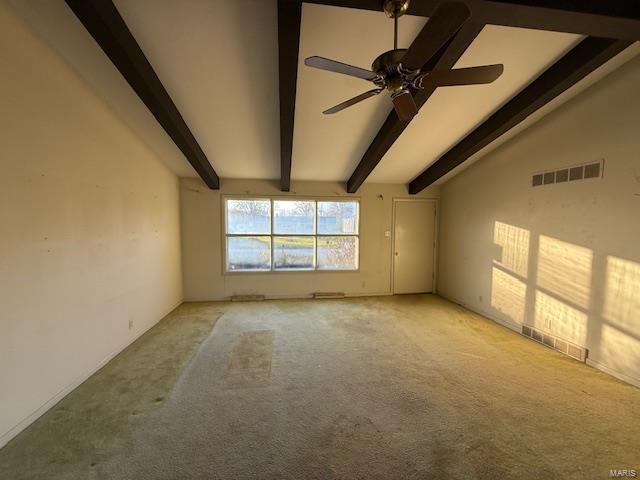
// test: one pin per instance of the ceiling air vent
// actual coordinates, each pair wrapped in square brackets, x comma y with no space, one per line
[568,174]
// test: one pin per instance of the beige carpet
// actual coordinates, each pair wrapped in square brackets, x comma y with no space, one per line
[371,388]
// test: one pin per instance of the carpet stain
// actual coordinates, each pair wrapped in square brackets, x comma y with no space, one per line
[250,362]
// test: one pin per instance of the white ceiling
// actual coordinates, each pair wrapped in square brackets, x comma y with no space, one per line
[56,24]
[328,147]
[219,62]
[452,112]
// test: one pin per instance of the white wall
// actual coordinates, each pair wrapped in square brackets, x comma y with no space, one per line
[90,230]
[565,257]
[203,242]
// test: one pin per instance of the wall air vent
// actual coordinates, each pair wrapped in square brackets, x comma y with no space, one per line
[592,170]
[562,175]
[551,341]
[318,295]
[576,173]
[549,177]
[537,180]
[247,298]
[568,174]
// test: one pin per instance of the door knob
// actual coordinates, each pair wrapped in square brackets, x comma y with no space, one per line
[396,254]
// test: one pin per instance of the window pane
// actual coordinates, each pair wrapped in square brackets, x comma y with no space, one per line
[248,253]
[249,216]
[338,217]
[337,253]
[293,253]
[290,216]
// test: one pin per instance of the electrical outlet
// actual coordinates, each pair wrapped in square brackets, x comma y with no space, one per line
[130,324]
[480,298]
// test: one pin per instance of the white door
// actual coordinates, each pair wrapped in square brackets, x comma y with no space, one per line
[414,244]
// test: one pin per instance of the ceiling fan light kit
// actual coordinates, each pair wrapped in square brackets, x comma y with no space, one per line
[401,71]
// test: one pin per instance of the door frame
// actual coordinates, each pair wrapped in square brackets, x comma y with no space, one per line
[436,222]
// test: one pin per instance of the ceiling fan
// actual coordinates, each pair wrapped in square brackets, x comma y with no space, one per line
[403,71]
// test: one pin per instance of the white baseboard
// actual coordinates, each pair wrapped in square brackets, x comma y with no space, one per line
[37,413]
[516,327]
[614,373]
[205,300]
[372,294]
[287,297]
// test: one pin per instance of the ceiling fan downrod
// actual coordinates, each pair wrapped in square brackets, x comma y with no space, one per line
[395,9]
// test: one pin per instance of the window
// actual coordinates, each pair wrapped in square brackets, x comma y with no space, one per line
[280,235]
[248,235]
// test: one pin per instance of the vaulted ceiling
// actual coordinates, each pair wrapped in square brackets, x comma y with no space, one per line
[329,147]
[218,62]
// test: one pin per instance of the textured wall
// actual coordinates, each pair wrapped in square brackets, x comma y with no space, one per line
[90,243]
[564,257]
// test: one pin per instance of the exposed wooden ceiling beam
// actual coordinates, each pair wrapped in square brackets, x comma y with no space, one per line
[583,59]
[393,126]
[289,16]
[106,26]
[601,18]
[610,18]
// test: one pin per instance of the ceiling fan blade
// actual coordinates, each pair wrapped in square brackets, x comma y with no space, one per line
[353,101]
[442,25]
[464,76]
[404,105]
[339,67]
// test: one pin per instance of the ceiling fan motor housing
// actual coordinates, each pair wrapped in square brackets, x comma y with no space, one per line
[393,76]
[388,62]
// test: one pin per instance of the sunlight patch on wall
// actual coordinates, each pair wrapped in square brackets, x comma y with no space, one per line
[622,294]
[515,247]
[560,319]
[620,336]
[565,270]
[619,350]
[508,295]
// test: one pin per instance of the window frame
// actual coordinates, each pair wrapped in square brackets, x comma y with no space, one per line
[272,235]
